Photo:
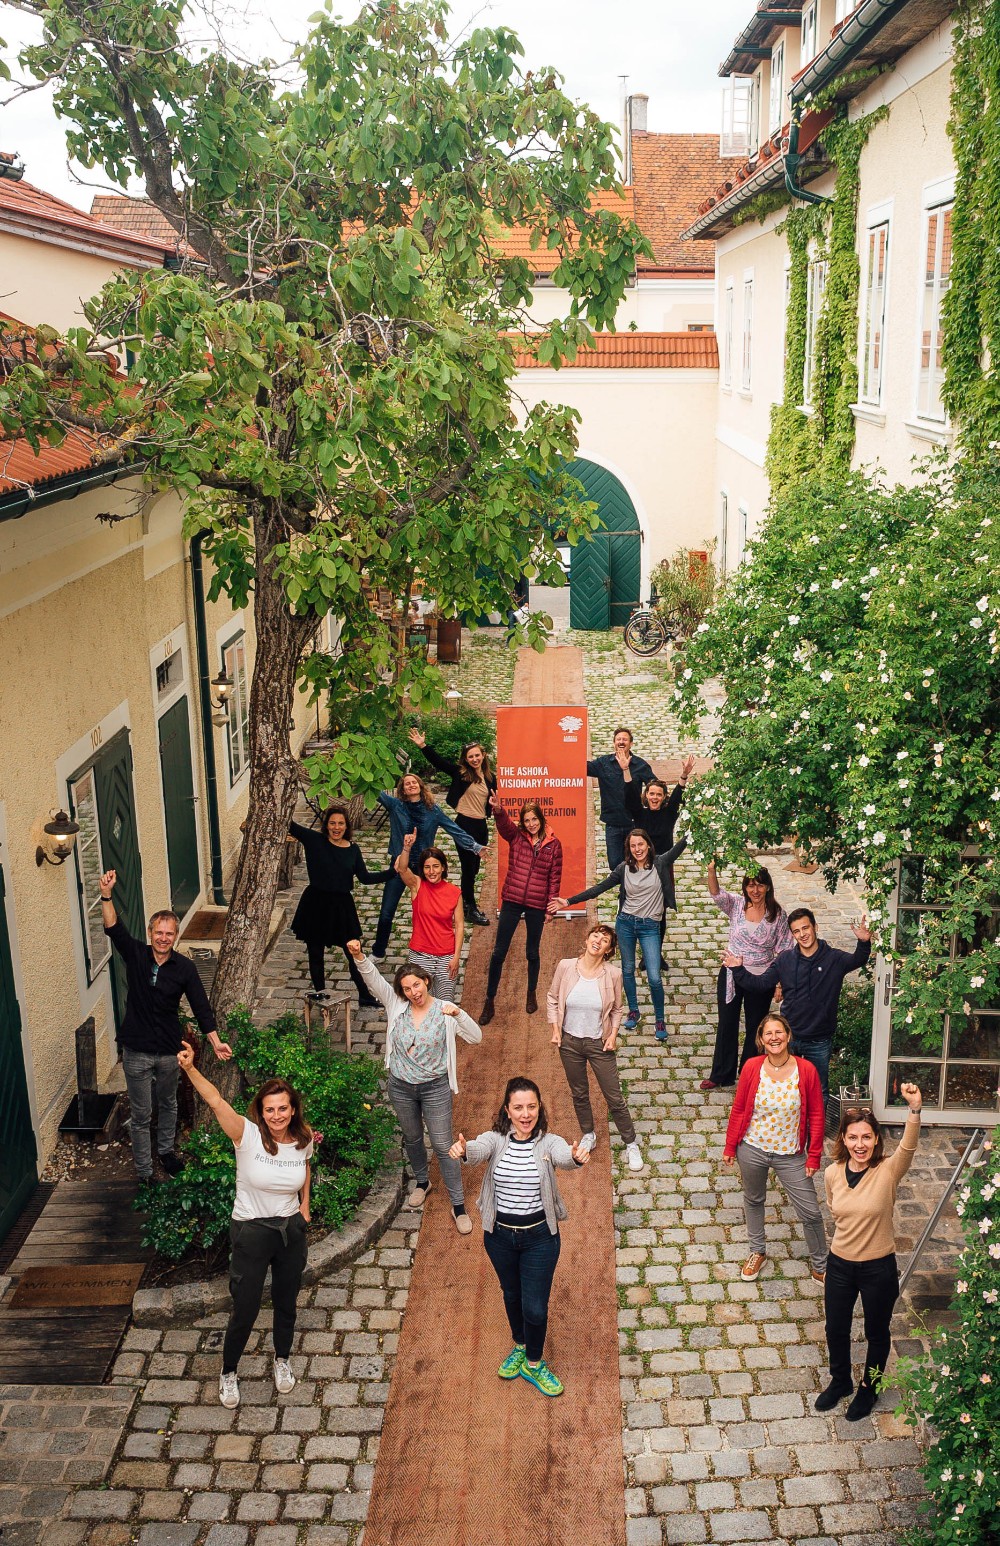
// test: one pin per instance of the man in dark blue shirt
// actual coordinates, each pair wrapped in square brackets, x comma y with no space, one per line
[150,1035]
[608,770]
[811,975]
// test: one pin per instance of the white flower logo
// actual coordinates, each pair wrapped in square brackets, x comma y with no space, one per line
[570,724]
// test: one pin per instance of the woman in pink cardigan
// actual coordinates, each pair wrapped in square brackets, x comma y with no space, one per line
[585,1011]
[777,1124]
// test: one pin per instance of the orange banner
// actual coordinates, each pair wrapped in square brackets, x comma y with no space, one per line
[542,756]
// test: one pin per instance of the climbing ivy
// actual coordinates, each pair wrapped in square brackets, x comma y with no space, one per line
[971,309]
[799,443]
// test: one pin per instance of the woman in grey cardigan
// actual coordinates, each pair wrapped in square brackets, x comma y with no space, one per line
[645,891]
[520,1208]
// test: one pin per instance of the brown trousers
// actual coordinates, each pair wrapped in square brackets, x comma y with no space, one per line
[576,1053]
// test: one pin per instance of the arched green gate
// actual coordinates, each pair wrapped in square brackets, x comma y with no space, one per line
[604,573]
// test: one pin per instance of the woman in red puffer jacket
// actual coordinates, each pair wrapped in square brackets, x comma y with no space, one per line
[533,876]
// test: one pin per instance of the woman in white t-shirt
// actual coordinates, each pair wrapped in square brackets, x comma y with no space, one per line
[274,1146]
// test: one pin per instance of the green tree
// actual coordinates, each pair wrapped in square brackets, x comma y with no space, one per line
[328,376]
[858,649]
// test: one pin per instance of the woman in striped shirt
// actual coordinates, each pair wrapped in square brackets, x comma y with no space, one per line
[758,931]
[521,1207]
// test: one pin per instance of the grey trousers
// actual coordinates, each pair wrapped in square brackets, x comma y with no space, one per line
[577,1054]
[142,1071]
[800,1189]
[446,988]
[430,1102]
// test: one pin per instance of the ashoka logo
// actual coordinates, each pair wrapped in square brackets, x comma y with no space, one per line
[570,723]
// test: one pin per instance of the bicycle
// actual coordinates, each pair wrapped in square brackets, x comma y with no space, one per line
[647,631]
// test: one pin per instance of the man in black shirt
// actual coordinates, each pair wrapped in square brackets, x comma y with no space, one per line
[150,1035]
[610,775]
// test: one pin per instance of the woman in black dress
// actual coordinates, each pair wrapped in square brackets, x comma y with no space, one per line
[326,914]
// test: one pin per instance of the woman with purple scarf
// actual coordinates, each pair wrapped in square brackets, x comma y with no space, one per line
[758,931]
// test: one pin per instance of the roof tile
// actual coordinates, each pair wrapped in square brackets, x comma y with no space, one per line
[26,203]
[638,351]
[671,174]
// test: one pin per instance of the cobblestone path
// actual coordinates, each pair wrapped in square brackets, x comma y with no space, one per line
[717,1376]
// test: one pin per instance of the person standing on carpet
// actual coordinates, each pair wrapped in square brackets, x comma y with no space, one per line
[438,925]
[645,884]
[520,1207]
[472,783]
[420,1054]
[411,809]
[861,1186]
[326,914]
[758,933]
[532,880]
[585,1011]
[274,1146]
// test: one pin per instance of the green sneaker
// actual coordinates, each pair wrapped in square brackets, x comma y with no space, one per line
[511,1366]
[542,1378]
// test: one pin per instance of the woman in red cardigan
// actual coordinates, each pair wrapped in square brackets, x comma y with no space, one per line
[532,880]
[777,1124]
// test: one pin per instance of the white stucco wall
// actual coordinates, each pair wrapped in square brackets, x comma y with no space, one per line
[654,305]
[47,283]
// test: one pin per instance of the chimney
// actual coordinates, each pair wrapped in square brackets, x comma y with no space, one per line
[635,123]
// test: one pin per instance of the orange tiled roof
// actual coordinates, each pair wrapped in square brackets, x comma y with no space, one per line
[671,174]
[638,351]
[20,466]
[23,205]
[515,241]
[139,217]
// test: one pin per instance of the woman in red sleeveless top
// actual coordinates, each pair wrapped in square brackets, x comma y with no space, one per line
[438,919]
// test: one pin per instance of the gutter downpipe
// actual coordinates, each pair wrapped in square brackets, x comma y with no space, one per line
[207,730]
[839,52]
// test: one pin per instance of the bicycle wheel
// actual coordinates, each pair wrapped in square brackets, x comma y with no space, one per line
[645,633]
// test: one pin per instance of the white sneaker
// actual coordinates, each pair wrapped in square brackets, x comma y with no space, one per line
[284,1379]
[634,1156]
[229,1390]
[588,1142]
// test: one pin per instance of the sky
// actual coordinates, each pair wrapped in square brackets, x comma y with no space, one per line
[667,49]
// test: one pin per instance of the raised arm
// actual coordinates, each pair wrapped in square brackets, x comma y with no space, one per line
[436,760]
[374,981]
[109,916]
[366,876]
[633,798]
[614,879]
[461,839]
[712,878]
[231,1123]
[406,875]
[507,829]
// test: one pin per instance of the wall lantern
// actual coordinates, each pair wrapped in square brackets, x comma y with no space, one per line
[60,834]
[453,699]
[223,686]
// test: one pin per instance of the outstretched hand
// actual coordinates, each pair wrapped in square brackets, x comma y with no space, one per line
[557,904]
[457,1150]
[409,840]
[494,801]
[582,1156]
[418,738]
[353,946]
[622,757]
[687,767]
[861,930]
[185,1057]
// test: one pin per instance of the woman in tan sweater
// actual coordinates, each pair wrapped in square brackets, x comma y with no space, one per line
[861,1186]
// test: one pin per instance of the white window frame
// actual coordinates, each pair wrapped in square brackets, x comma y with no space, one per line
[938,202]
[234,661]
[816,279]
[744,515]
[875,308]
[746,361]
[753,113]
[728,321]
[89,859]
[809,33]
[776,89]
[844,9]
[723,532]
[734,138]
[172,643]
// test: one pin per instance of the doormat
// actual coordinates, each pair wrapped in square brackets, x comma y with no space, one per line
[50,1288]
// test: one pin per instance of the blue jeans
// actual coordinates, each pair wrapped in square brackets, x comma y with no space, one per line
[392,891]
[525,1262]
[614,842]
[645,932]
[430,1102]
[143,1070]
[818,1053]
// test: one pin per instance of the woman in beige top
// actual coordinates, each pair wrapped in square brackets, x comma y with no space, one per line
[861,1186]
[585,1010]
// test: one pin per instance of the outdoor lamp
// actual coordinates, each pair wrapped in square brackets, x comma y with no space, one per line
[61,833]
[223,685]
[453,698]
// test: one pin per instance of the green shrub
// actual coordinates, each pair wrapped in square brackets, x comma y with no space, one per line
[957,1390]
[851,1056]
[448,733]
[685,587]
[341,1099]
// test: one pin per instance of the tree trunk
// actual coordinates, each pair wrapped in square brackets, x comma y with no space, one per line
[274,786]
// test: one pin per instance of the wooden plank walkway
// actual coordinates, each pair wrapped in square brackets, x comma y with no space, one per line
[83,1223]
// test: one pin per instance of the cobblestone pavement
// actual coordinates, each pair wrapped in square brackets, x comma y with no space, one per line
[720,1439]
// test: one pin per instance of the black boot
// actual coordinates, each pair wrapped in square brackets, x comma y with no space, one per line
[476,915]
[487,1012]
[864,1400]
[828,1398]
[531,1003]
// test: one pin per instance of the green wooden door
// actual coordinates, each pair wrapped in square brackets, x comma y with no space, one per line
[178,806]
[120,848]
[605,572]
[18,1175]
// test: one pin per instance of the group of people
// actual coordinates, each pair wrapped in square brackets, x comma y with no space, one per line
[778,1113]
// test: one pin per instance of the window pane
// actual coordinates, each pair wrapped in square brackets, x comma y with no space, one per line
[903,1042]
[974,1036]
[874,317]
[912,880]
[937,277]
[913,928]
[973,1086]
[89,867]
[926,1076]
